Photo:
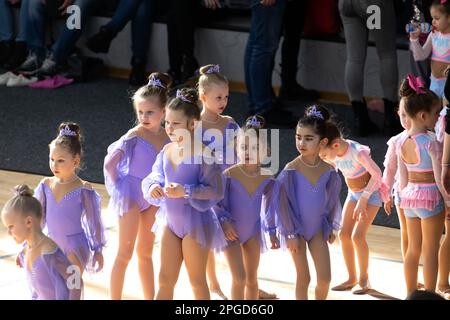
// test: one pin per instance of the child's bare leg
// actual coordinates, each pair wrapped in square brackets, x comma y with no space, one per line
[444,259]
[144,249]
[359,240]
[214,285]
[171,260]
[303,276]
[73,259]
[195,257]
[411,264]
[404,231]
[432,228]
[348,251]
[233,253]
[128,229]
[251,254]
[321,257]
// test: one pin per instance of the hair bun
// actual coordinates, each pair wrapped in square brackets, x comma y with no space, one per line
[209,69]
[255,122]
[23,190]
[159,79]
[317,111]
[69,129]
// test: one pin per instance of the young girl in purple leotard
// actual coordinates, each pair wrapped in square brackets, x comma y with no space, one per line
[128,162]
[309,209]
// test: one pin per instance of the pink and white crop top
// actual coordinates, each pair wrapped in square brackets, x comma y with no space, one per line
[437,44]
[355,162]
[390,173]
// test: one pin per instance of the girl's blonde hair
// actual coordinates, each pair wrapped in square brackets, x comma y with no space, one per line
[23,202]
[210,75]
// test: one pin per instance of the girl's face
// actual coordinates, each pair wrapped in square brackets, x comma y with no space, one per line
[178,125]
[248,149]
[149,113]
[215,99]
[307,141]
[62,163]
[18,227]
[328,152]
[404,119]
[441,21]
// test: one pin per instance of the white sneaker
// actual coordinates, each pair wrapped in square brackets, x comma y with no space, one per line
[6,76]
[20,81]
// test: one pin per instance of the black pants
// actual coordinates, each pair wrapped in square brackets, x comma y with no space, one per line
[294,20]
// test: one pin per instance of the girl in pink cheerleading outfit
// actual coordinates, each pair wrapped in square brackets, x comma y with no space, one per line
[421,194]
[247,211]
[128,162]
[365,194]
[186,183]
[71,207]
[47,268]
[310,211]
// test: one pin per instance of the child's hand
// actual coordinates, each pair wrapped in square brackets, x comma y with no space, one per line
[388,207]
[175,190]
[229,231]
[156,191]
[360,209]
[293,245]
[98,259]
[415,34]
[331,238]
[275,242]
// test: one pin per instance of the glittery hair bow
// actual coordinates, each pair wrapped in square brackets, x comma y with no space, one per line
[443,1]
[154,82]
[67,132]
[313,112]
[181,96]
[254,122]
[416,83]
[214,69]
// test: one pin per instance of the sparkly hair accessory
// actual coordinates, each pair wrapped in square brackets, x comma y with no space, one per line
[182,97]
[416,83]
[313,112]
[254,122]
[214,69]
[154,82]
[67,132]
[443,1]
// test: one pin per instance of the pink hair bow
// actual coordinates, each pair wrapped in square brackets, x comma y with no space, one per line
[443,1]
[416,83]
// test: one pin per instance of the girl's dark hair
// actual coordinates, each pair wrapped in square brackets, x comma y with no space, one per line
[157,86]
[186,101]
[209,75]
[416,102]
[23,202]
[69,138]
[255,123]
[321,121]
[444,7]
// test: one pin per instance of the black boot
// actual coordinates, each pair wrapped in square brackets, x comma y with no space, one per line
[6,49]
[392,125]
[190,65]
[18,56]
[100,42]
[363,125]
[138,75]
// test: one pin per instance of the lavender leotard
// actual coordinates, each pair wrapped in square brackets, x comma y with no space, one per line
[75,222]
[191,216]
[47,278]
[250,214]
[135,157]
[305,209]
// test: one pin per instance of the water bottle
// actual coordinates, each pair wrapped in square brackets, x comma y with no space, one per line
[423,26]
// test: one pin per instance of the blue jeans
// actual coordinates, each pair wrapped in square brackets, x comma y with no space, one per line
[7,22]
[262,45]
[141,12]
[67,38]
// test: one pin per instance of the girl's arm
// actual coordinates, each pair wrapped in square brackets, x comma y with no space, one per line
[111,163]
[91,219]
[419,52]
[390,166]
[334,206]
[374,183]
[222,209]
[269,206]
[39,194]
[156,177]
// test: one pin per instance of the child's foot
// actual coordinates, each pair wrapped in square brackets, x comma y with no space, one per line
[347,285]
[217,294]
[362,287]
[263,295]
[444,292]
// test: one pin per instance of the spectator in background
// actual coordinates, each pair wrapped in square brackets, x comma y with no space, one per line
[265,32]
[294,19]
[13,48]
[354,17]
